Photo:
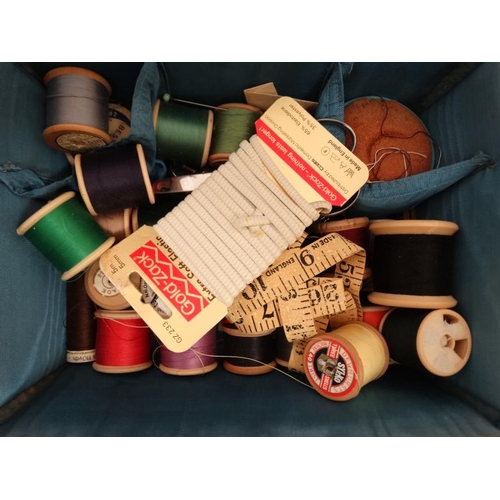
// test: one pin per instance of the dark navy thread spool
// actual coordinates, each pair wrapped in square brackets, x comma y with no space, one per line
[249,354]
[436,341]
[114,179]
[412,263]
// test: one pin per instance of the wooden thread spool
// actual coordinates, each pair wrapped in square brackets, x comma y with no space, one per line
[80,323]
[123,342]
[198,360]
[77,109]
[412,263]
[117,223]
[249,355]
[339,363]
[437,341]
[102,292]
[283,348]
[233,123]
[354,229]
[183,132]
[66,234]
[114,179]
[119,119]
[150,214]
[373,315]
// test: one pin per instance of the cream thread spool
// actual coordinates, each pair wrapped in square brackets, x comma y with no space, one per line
[339,363]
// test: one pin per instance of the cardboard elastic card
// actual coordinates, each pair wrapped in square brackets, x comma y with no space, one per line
[191,310]
[317,164]
[265,95]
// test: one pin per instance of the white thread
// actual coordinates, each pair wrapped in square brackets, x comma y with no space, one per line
[231,228]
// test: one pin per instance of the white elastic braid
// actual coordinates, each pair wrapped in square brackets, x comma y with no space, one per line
[221,209]
[259,199]
[271,237]
[231,228]
[259,171]
[171,235]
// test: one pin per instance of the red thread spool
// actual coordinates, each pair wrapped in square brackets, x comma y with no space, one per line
[373,315]
[123,342]
[197,360]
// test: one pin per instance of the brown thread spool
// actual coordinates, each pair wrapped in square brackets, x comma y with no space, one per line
[80,323]
[123,342]
[248,355]
[339,363]
[77,113]
[117,224]
[437,341]
[102,292]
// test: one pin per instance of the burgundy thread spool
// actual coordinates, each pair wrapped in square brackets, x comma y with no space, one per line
[437,341]
[197,360]
[354,229]
[114,179]
[412,263]
[249,354]
[123,342]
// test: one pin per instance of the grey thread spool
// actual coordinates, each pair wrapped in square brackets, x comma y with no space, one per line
[77,113]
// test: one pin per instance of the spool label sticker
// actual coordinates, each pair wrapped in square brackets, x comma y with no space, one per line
[331,368]
[192,308]
[312,159]
[79,142]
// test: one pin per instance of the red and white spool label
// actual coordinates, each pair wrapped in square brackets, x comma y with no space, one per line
[330,368]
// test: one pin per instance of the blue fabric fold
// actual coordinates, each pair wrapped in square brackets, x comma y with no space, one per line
[151,84]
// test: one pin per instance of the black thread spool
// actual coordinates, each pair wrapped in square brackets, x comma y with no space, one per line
[80,323]
[249,354]
[437,341]
[412,263]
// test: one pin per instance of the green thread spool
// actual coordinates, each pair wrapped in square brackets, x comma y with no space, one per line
[66,234]
[234,122]
[183,132]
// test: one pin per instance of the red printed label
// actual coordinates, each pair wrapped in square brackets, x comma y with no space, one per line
[173,284]
[299,165]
